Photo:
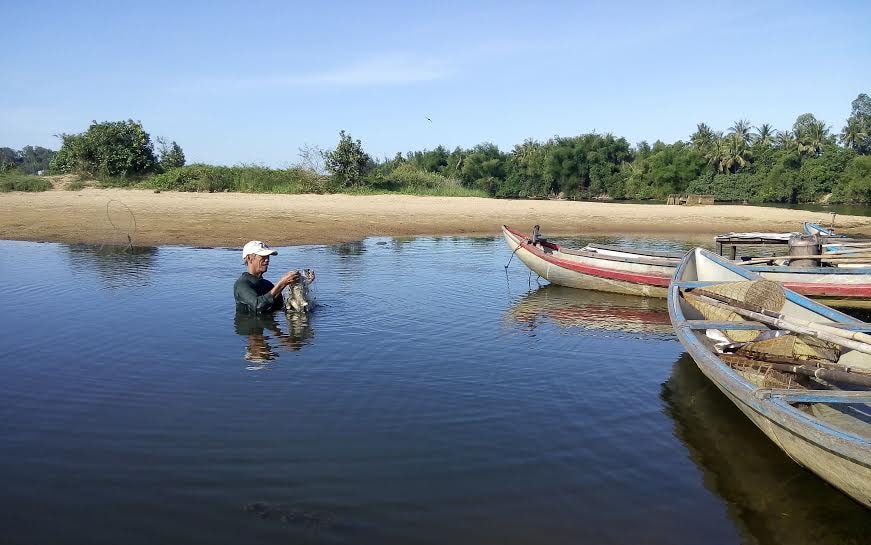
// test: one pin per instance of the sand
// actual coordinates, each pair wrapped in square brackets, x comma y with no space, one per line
[230,219]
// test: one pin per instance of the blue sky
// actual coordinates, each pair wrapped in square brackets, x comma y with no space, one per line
[251,82]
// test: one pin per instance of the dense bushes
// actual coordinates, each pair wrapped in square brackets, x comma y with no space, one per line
[114,149]
[247,179]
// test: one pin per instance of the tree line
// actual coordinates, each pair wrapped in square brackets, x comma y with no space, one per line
[804,163]
[27,160]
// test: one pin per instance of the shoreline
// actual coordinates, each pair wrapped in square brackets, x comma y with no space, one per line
[101,216]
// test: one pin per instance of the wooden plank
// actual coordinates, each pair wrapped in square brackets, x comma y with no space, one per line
[730,326]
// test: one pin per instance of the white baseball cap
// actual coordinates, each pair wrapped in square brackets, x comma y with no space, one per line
[257,248]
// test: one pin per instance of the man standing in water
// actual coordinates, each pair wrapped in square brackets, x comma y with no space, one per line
[254,293]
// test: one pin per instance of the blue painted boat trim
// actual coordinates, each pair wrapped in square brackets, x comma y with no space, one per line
[817,397]
[828,271]
[822,230]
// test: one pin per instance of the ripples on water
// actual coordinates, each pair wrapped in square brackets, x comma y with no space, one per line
[432,397]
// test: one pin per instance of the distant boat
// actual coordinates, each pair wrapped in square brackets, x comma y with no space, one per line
[811,228]
[822,422]
[648,273]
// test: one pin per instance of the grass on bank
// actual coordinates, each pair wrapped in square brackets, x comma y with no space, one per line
[257,179]
[404,180]
[23,182]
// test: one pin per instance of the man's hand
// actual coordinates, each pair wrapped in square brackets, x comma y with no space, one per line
[290,278]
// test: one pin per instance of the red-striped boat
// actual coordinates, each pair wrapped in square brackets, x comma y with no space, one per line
[648,273]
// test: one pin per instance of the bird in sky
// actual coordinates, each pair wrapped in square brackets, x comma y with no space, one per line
[428,119]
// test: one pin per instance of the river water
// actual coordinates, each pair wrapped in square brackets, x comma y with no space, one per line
[432,397]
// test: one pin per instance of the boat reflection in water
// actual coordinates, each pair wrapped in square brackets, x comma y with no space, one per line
[770,498]
[265,337]
[570,307]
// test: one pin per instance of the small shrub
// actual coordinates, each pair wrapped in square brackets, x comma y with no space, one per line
[407,178]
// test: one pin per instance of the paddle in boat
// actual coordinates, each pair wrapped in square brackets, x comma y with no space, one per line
[800,371]
[643,272]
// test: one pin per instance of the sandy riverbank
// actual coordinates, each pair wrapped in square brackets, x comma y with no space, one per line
[230,219]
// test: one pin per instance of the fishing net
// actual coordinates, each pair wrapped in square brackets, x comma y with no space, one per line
[762,375]
[767,294]
[761,293]
[796,347]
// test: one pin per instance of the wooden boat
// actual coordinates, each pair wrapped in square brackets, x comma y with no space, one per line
[824,425]
[595,266]
[769,497]
[648,273]
[811,228]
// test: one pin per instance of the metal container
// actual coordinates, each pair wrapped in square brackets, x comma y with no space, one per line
[804,245]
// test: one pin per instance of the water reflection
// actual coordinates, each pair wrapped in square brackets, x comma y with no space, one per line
[347,249]
[570,307]
[116,265]
[770,498]
[265,336]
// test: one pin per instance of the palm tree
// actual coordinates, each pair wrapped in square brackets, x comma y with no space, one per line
[741,129]
[786,140]
[716,153]
[813,137]
[703,139]
[854,134]
[737,153]
[764,136]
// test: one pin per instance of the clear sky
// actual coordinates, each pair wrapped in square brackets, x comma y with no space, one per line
[251,82]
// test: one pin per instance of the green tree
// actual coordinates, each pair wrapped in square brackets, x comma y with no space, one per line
[9,159]
[786,140]
[527,176]
[704,139]
[348,163]
[108,149]
[856,134]
[171,156]
[764,137]
[855,183]
[811,133]
[741,130]
[484,168]
[35,159]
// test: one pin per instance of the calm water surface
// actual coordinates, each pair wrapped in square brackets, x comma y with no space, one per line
[432,397]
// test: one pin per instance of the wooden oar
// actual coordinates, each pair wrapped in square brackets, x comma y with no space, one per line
[780,323]
[809,362]
[855,335]
[847,243]
[816,372]
[857,251]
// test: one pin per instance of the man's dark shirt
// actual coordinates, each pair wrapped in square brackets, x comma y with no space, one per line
[252,294]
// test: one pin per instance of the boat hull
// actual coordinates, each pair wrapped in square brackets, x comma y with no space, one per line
[604,273]
[842,458]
